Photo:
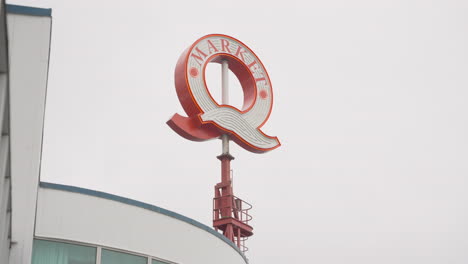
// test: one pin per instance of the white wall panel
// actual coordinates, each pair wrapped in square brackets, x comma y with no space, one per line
[90,219]
[4,144]
[28,43]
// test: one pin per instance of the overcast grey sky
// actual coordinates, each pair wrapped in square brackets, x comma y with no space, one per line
[370,107]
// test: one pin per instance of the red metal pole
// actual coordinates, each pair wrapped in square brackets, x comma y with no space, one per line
[226,186]
[226,207]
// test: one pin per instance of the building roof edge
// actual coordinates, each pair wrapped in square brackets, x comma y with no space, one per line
[154,208]
[28,10]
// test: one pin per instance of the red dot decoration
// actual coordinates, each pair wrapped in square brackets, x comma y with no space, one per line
[193,72]
[263,94]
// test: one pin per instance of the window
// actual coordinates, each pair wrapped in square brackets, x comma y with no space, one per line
[54,252]
[114,257]
[49,252]
[157,262]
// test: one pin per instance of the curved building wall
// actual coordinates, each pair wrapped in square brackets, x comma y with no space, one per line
[68,213]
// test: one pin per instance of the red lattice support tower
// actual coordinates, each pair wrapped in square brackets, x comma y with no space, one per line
[230,214]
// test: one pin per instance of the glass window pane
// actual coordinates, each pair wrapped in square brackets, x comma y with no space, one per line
[51,252]
[157,262]
[114,257]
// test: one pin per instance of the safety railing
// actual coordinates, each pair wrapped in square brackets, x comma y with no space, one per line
[243,248]
[231,206]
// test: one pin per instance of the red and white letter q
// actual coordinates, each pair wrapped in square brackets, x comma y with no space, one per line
[206,118]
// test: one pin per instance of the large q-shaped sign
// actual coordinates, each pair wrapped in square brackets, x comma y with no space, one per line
[206,118]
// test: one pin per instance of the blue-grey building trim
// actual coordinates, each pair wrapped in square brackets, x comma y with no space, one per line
[28,10]
[108,196]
